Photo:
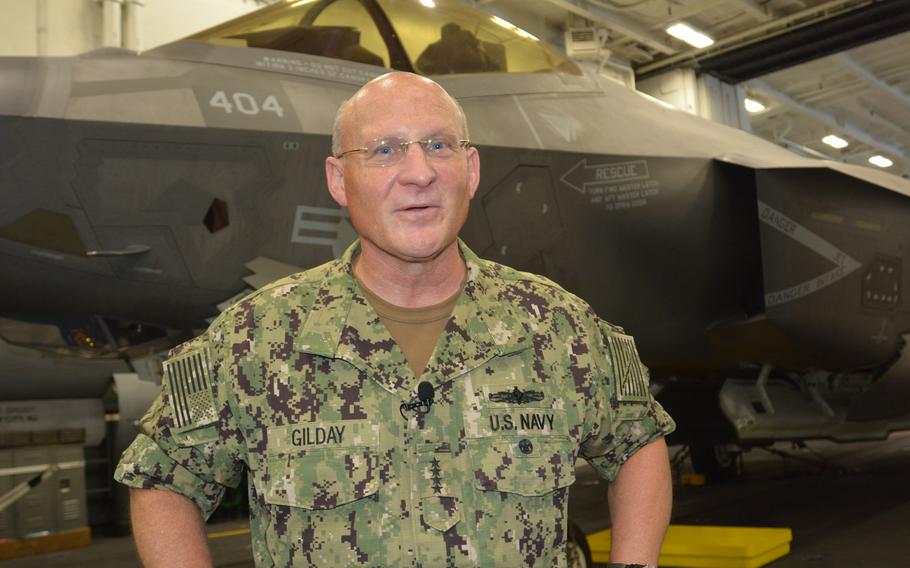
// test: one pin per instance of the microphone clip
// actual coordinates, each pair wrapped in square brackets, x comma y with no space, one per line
[421,402]
[416,404]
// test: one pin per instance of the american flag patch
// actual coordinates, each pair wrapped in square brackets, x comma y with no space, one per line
[189,380]
[631,381]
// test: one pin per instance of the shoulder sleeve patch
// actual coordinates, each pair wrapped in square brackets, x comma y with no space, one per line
[188,379]
[630,376]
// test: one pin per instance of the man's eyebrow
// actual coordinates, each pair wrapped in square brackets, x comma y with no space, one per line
[389,137]
[401,137]
[438,133]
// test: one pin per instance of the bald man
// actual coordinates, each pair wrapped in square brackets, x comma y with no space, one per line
[408,404]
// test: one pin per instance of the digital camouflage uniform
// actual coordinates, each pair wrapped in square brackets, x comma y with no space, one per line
[301,383]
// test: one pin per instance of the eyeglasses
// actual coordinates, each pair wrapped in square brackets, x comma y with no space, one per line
[387,151]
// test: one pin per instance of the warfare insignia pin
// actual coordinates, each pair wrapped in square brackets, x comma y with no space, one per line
[189,381]
[517,396]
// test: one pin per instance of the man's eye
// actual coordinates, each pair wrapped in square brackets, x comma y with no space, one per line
[383,150]
[438,145]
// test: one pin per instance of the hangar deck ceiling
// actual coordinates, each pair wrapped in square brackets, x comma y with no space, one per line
[818,66]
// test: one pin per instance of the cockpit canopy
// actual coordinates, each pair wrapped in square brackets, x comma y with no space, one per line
[431,37]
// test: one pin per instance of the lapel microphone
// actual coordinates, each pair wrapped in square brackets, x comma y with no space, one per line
[423,401]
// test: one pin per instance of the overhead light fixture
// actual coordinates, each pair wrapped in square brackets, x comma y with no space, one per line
[510,26]
[880,161]
[689,35]
[835,141]
[753,105]
[428,3]
[504,23]
[301,3]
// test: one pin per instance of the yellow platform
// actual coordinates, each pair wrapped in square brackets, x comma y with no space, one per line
[65,540]
[689,546]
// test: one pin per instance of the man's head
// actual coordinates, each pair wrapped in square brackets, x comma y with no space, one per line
[411,209]
[338,143]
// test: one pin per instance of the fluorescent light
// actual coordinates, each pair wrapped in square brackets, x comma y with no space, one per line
[504,23]
[301,3]
[753,106]
[835,141]
[689,35]
[428,3]
[881,161]
[510,26]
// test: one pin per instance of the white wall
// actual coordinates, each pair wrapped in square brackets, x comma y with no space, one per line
[677,87]
[168,20]
[701,95]
[75,26]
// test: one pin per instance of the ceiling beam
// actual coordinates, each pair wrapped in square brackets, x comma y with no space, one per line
[760,13]
[860,107]
[618,23]
[674,14]
[870,79]
[759,86]
[826,36]
[742,45]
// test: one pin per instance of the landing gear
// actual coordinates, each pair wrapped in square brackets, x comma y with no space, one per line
[578,552]
[717,463]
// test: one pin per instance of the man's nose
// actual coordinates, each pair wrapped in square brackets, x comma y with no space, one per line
[416,167]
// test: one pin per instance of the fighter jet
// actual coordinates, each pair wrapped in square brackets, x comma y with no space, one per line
[764,289]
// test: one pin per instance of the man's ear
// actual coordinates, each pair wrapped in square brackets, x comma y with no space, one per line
[473,171]
[334,177]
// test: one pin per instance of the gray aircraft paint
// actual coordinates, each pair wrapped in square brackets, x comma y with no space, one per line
[844,265]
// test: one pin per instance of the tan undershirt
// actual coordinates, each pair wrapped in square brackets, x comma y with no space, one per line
[415,330]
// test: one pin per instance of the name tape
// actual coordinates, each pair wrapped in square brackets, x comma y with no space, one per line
[331,434]
[522,421]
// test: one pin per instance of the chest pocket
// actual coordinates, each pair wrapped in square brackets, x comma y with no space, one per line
[520,441]
[318,467]
[526,465]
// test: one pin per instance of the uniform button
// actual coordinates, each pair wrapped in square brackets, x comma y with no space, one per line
[526,446]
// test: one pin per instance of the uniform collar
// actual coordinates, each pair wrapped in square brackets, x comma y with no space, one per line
[341,324]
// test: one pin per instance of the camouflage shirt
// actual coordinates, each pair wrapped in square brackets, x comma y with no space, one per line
[301,384]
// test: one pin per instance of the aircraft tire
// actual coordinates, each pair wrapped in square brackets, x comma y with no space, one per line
[578,552]
[718,463]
